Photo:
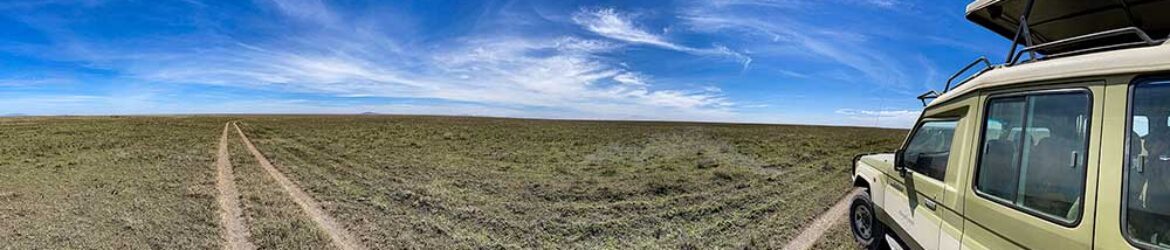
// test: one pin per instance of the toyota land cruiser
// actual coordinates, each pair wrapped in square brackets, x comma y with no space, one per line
[1065,145]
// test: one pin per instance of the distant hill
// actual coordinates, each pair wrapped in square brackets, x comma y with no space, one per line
[369,113]
[13,115]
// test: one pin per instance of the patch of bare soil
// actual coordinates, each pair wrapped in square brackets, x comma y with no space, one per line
[814,231]
[231,215]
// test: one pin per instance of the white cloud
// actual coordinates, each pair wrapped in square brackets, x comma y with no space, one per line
[574,44]
[799,4]
[489,71]
[570,74]
[881,118]
[790,73]
[782,4]
[673,98]
[932,77]
[631,78]
[883,3]
[610,23]
[566,78]
[311,10]
[33,81]
[841,48]
[879,113]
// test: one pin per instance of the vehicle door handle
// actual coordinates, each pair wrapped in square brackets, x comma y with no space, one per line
[930,204]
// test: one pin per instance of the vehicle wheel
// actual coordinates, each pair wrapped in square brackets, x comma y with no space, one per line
[867,230]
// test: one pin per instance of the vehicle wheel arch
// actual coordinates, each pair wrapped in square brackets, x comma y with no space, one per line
[859,182]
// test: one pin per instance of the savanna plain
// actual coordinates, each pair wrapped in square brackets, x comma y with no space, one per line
[425,182]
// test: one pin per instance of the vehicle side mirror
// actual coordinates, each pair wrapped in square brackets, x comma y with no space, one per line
[900,162]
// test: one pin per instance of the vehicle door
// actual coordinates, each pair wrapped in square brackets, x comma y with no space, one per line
[1038,153]
[912,195]
[1135,173]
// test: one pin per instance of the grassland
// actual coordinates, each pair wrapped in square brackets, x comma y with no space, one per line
[425,182]
[275,221]
[107,183]
[838,237]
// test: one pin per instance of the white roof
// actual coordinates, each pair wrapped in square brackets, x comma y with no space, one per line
[1116,62]
[1052,20]
[979,4]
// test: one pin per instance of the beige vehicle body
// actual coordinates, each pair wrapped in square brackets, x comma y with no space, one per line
[995,185]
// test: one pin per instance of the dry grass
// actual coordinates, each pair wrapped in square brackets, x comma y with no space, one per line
[108,183]
[427,182]
[276,222]
[838,237]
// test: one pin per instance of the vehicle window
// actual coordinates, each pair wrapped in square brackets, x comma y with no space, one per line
[930,148]
[1147,214]
[1033,153]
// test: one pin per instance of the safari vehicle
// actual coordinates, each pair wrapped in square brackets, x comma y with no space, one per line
[1065,145]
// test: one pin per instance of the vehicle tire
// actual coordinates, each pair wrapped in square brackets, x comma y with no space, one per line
[867,230]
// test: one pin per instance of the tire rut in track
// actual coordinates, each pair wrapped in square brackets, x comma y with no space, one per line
[341,238]
[813,232]
[231,215]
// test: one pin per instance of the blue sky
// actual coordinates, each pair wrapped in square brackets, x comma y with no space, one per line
[837,62]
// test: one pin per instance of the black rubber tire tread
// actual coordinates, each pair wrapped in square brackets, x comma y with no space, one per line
[878,240]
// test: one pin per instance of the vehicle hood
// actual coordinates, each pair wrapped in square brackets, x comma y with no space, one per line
[883,162]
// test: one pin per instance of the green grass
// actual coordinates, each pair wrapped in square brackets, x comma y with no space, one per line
[108,183]
[426,182]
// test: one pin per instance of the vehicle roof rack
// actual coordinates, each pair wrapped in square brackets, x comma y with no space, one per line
[935,94]
[927,96]
[1078,45]
[986,66]
[1144,40]
[1052,20]
[1094,42]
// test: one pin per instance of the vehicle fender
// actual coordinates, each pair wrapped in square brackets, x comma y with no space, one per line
[871,176]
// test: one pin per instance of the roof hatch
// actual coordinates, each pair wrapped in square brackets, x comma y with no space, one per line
[1053,20]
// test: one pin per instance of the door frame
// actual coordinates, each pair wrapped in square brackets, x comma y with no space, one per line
[935,189]
[994,225]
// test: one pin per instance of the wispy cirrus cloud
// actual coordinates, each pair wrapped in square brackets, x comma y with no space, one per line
[571,74]
[631,79]
[312,10]
[498,74]
[612,24]
[881,118]
[842,48]
[783,30]
[30,81]
[678,60]
[884,3]
[575,75]
[609,23]
[799,4]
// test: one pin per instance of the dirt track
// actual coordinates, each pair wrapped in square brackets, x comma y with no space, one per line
[341,238]
[814,231]
[235,232]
